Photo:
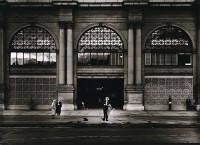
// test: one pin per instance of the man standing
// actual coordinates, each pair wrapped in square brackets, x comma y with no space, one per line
[105,109]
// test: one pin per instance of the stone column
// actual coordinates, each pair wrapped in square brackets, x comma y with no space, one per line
[197,89]
[130,73]
[2,53]
[130,54]
[67,91]
[69,54]
[134,87]
[62,54]
[138,56]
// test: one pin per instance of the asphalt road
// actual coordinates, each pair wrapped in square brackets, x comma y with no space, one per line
[91,135]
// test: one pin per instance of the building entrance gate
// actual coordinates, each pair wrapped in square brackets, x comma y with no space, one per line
[93,91]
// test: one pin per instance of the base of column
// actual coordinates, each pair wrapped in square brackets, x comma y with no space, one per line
[2,106]
[130,107]
[134,98]
[198,107]
[66,96]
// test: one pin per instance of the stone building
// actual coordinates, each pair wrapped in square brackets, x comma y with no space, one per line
[137,52]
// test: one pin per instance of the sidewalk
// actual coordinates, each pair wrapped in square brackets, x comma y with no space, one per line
[85,118]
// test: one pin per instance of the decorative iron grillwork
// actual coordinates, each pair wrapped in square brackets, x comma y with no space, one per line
[32,38]
[100,46]
[169,38]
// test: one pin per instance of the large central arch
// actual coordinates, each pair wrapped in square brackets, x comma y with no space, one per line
[100,52]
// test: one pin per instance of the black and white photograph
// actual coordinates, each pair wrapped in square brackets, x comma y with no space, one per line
[99,72]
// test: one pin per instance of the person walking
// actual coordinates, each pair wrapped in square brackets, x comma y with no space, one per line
[170,103]
[83,105]
[58,107]
[105,108]
[53,108]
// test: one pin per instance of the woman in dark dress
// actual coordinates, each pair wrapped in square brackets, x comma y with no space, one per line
[58,107]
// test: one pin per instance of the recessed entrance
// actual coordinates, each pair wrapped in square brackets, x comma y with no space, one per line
[93,91]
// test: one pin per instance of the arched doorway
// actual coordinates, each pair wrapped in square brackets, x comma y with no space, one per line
[100,53]
[93,91]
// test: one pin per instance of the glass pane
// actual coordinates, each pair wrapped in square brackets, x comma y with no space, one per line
[158,58]
[147,58]
[13,58]
[33,58]
[39,58]
[84,58]
[167,59]
[52,58]
[162,59]
[93,60]
[100,59]
[174,59]
[184,59]
[20,58]
[26,58]
[121,59]
[113,59]
[153,60]
[106,58]
[46,58]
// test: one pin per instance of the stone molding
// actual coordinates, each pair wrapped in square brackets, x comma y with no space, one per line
[2,24]
[135,24]
[62,24]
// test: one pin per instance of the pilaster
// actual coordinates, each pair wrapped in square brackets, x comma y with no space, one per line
[65,89]
[62,26]
[197,89]
[134,88]
[2,71]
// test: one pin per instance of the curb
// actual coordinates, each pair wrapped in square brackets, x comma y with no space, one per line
[100,125]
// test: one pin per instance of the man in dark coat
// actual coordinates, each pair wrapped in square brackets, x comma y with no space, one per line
[58,107]
[106,104]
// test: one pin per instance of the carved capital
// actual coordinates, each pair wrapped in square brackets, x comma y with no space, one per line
[138,24]
[130,24]
[62,24]
[2,24]
[70,25]
[135,24]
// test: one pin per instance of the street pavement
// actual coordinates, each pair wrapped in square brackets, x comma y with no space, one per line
[92,118]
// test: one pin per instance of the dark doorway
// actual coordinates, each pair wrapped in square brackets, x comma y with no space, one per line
[93,91]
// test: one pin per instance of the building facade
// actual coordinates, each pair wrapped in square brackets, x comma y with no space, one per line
[139,53]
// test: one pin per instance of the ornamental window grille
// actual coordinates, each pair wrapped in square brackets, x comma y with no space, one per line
[168,45]
[100,46]
[32,45]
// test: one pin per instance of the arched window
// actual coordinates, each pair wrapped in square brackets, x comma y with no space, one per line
[32,45]
[100,46]
[168,45]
